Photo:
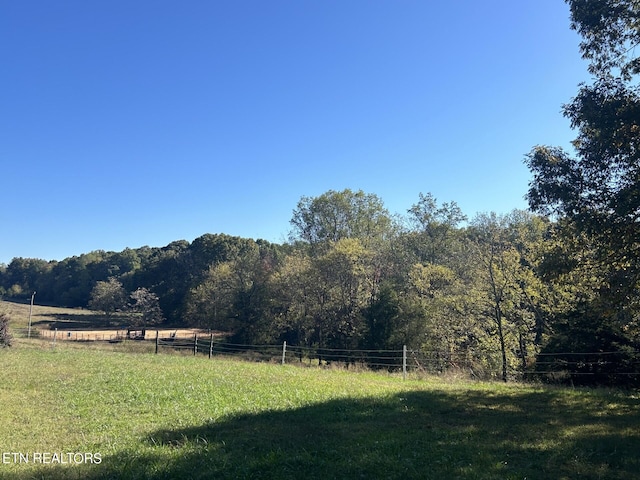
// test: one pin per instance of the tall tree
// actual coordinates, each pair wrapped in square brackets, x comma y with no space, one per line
[294,290]
[210,303]
[319,299]
[347,288]
[506,283]
[145,308]
[108,297]
[610,30]
[596,193]
[434,229]
[336,215]
[598,190]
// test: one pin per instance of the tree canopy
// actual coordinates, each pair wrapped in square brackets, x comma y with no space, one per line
[595,193]
[336,215]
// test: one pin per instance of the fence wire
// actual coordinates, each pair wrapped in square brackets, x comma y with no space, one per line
[550,366]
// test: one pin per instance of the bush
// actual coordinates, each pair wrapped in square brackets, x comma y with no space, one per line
[590,348]
[5,336]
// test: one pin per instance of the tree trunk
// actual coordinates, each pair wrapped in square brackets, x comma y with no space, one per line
[503,349]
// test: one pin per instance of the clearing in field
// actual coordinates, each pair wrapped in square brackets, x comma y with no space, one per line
[78,324]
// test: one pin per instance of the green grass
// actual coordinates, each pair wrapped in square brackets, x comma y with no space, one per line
[170,416]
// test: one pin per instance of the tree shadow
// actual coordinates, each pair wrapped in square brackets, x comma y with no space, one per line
[411,435]
[79,321]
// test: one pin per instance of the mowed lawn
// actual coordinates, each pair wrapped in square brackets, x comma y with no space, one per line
[174,416]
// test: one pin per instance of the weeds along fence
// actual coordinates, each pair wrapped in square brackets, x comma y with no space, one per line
[211,346]
[605,368]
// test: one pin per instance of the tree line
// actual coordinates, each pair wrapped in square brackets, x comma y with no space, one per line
[552,290]
[495,290]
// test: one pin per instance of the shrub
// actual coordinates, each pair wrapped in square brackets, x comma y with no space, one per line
[5,336]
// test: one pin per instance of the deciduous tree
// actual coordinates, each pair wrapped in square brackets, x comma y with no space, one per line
[145,308]
[336,215]
[595,193]
[108,297]
[506,282]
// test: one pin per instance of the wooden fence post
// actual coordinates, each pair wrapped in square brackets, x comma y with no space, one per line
[195,343]
[211,346]
[55,334]
[284,351]
[157,340]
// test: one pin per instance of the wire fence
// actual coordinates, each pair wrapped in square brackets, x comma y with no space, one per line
[619,367]
[284,353]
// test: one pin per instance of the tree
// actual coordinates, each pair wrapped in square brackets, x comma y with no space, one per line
[210,304]
[507,284]
[436,227]
[24,275]
[598,190]
[145,307]
[347,287]
[447,325]
[336,215]
[234,294]
[610,30]
[589,348]
[108,297]
[318,299]
[595,194]
[210,249]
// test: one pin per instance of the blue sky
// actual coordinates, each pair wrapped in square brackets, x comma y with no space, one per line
[126,123]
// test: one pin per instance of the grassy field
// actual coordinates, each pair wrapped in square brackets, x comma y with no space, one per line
[171,416]
[82,323]
[50,317]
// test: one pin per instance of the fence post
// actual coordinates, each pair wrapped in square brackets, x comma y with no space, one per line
[195,343]
[55,334]
[211,346]
[284,351]
[404,362]
[157,340]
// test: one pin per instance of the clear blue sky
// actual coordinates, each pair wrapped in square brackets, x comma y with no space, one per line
[131,123]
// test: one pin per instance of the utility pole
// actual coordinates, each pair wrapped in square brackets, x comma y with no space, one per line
[30,311]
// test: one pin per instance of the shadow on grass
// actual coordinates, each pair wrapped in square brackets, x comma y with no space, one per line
[79,321]
[412,435]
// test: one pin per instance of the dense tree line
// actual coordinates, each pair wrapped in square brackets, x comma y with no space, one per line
[554,290]
[169,272]
[485,291]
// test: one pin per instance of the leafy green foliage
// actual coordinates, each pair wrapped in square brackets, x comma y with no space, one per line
[590,348]
[595,195]
[609,31]
[434,229]
[108,297]
[6,339]
[336,215]
[482,297]
[145,308]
